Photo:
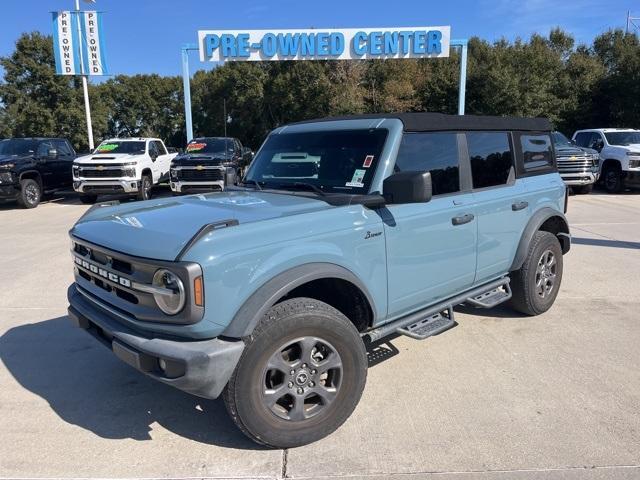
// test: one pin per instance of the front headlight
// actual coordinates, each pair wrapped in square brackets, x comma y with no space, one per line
[129,172]
[633,154]
[172,299]
[7,166]
[634,163]
[76,172]
[174,174]
[6,177]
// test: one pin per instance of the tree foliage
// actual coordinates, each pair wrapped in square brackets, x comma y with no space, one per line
[575,86]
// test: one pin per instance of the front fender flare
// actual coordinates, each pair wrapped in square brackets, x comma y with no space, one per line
[250,313]
[535,222]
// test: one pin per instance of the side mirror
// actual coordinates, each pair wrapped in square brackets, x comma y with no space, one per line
[407,187]
[52,153]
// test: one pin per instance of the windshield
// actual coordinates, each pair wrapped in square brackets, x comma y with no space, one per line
[17,146]
[132,148]
[560,140]
[210,145]
[342,161]
[623,138]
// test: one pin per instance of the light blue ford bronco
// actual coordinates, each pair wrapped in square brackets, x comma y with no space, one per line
[344,232]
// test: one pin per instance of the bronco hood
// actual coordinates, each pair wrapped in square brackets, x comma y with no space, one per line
[159,229]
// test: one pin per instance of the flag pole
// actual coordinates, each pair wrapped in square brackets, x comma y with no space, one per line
[85,88]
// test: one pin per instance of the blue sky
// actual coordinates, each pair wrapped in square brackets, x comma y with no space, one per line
[144,36]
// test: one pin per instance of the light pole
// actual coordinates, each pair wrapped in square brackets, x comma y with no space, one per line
[85,88]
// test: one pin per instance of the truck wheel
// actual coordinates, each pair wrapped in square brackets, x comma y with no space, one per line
[145,187]
[300,376]
[613,182]
[583,189]
[88,199]
[535,285]
[30,193]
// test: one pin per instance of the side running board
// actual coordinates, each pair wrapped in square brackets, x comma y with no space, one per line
[439,318]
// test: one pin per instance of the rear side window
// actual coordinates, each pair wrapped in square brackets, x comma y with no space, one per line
[537,153]
[491,158]
[432,152]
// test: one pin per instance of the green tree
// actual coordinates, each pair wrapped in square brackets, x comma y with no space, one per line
[38,102]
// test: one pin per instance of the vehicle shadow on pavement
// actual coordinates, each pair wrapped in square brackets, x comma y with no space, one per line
[603,242]
[88,386]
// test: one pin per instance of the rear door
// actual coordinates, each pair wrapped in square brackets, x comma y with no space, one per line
[501,203]
[428,257]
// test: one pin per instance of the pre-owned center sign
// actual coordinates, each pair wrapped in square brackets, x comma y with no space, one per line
[351,44]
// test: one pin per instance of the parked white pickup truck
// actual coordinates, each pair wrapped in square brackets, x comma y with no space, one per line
[122,166]
[619,155]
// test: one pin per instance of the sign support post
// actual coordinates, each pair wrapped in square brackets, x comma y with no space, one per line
[462,93]
[85,88]
[186,85]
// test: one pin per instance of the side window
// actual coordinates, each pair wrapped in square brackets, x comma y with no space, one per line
[63,148]
[596,142]
[583,138]
[160,148]
[153,150]
[43,148]
[537,153]
[432,152]
[491,158]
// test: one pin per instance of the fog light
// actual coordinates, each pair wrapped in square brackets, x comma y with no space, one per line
[163,364]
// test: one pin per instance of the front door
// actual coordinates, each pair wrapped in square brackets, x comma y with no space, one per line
[431,247]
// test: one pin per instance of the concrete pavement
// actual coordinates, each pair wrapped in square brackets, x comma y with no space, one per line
[498,397]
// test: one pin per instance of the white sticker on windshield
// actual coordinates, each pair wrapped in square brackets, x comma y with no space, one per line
[357,179]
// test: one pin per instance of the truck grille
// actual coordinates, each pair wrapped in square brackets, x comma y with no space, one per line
[574,164]
[101,171]
[207,174]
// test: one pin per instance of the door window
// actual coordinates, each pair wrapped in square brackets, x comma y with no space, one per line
[63,148]
[537,153]
[436,153]
[160,148]
[43,149]
[491,158]
[583,138]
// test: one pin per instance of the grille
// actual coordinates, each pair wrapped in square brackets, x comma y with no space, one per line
[570,165]
[107,173]
[213,174]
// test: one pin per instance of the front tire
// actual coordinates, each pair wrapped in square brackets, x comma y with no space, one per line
[613,181]
[300,376]
[145,188]
[536,284]
[30,193]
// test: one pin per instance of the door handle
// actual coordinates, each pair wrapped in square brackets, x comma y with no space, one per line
[462,220]
[519,206]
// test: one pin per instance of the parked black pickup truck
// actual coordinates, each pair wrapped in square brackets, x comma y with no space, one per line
[29,167]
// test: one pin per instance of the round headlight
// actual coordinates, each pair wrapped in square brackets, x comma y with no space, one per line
[172,301]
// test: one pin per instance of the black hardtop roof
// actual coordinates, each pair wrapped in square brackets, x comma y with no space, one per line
[438,122]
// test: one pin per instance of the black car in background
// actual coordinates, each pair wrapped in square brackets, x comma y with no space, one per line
[209,164]
[30,167]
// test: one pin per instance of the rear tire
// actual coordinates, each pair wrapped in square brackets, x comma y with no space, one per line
[278,408]
[536,284]
[145,188]
[30,193]
[583,189]
[88,199]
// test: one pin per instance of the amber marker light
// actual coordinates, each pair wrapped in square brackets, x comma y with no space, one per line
[198,292]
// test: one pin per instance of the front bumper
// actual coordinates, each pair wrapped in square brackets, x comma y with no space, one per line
[583,178]
[9,192]
[196,187]
[201,368]
[106,186]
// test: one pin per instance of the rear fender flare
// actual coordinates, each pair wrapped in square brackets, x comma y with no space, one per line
[535,222]
[259,303]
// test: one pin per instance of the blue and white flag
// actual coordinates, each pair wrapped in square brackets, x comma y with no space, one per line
[78,44]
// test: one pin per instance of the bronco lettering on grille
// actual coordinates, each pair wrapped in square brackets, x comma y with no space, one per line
[125,282]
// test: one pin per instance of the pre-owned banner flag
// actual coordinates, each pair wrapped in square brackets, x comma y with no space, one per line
[78,43]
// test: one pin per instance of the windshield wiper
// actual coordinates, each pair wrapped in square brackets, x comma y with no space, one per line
[304,185]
